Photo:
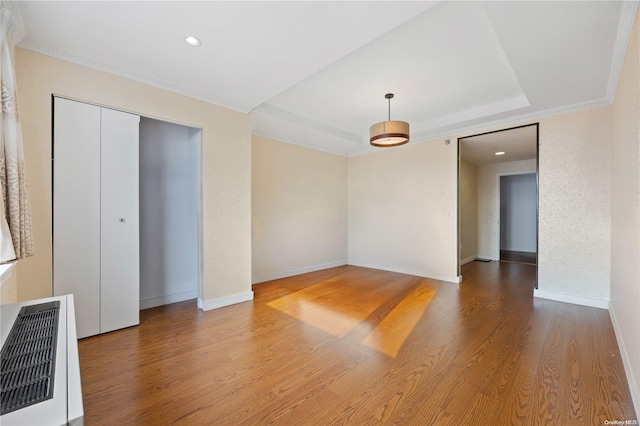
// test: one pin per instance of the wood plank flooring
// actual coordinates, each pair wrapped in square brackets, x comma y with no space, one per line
[518,256]
[357,346]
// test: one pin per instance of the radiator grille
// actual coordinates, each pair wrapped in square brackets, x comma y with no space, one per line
[28,357]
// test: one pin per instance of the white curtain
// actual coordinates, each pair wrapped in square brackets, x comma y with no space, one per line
[16,240]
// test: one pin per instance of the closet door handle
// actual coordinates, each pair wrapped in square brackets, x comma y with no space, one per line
[121,219]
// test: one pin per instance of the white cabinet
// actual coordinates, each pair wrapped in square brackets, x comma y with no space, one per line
[95,214]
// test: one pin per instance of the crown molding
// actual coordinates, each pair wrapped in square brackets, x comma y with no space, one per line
[451,132]
[480,112]
[277,138]
[35,45]
[463,131]
[307,122]
[514,118]
[627,19]
[16,25]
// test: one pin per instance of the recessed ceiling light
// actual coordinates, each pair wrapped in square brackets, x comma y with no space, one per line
[500,153]
[192,41]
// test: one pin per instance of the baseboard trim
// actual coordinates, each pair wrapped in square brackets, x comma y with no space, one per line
[152,302]
[582,301]
[293,272]
[221,302]
[468,260]
[449,278]
[492,258]
[634,387]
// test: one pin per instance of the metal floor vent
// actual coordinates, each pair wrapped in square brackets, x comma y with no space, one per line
[28,357]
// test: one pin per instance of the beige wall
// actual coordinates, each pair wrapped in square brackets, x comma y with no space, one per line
[402,206]
[299,209]
[403,210]
[468,211]
[625,214]
[488,203]
[226,165]
[575,204]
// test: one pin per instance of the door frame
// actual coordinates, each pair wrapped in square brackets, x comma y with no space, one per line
[460,139]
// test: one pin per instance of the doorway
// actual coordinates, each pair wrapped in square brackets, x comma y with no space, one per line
[170,188]
[482,160]
[518,212]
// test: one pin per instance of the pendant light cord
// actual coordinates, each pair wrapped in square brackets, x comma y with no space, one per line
[388,96]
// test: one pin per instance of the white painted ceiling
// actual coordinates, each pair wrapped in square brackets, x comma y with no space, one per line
[518,144]
[315,73]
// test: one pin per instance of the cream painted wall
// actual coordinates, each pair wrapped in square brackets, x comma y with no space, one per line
[299,209]
[402,206]
[226,165]
[403,210]
[468,211]
[625,214]
[488,207]
[575,204]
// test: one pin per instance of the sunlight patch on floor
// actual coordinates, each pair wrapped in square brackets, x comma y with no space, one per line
[389,336]
[322,306]
[338,309]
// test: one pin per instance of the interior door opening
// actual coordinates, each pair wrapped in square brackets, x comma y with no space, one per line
[170,206]
[518,209]
[482,160]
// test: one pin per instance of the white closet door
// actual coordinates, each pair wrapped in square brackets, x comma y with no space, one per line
[76,210]
[120,238]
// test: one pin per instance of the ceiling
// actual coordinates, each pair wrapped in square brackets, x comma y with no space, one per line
[315,73]
[517,144]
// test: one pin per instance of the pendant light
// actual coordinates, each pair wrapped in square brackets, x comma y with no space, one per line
[389,133]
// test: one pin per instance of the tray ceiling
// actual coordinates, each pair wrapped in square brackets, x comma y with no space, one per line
[315,73]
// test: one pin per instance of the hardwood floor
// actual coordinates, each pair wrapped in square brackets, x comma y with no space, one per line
[357,346]
[518,256]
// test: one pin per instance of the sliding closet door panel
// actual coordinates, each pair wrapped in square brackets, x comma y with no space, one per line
[76,210]
[120,268]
